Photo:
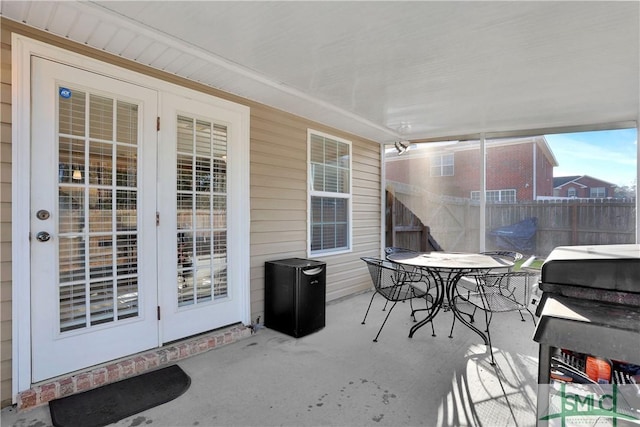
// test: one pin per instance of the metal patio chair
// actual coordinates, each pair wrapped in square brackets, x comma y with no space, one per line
[414,273]
[395,283]
[389,250]
[469,283]
[498,293]
[395,249]
[510,255]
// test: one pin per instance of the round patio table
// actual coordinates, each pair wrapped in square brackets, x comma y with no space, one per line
[447,268]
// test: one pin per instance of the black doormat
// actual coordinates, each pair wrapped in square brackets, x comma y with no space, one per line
[113,402]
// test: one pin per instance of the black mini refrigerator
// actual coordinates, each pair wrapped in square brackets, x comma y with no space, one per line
[295,296]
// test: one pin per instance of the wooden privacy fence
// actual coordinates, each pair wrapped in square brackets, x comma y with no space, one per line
[454,222]
[404,229]
[571,222]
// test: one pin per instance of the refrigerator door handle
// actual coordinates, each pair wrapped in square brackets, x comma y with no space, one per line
[312,271]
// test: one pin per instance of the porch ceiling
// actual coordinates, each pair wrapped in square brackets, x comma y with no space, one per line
[382,70]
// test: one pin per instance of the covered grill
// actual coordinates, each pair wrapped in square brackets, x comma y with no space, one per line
[590,306]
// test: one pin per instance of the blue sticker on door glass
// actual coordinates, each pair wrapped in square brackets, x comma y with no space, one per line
[65,93]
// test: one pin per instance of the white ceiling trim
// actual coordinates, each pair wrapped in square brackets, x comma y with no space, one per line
[333,115]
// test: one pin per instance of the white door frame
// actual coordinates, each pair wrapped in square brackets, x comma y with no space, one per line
[23,48]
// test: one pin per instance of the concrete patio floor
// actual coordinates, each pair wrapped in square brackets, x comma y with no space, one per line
[339,377]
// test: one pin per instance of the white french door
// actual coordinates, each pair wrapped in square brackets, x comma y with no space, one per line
[93,237]
[131,246]
[197,202]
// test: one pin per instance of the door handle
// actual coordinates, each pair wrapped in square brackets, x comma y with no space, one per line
[312,271]
[43,236]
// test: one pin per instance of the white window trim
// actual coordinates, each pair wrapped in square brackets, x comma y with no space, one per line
[311,192]
[23,48]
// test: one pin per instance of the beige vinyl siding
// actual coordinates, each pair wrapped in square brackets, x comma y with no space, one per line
[5,218]
[279,202]
[278,189]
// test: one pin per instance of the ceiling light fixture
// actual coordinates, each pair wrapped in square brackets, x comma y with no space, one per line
[76,175]
[402,146]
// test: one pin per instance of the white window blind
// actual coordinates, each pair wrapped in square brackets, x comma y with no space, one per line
[202,211]
[98,205]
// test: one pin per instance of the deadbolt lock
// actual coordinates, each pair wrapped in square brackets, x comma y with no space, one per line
[42,214]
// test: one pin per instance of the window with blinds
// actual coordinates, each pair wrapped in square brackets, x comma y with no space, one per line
[98,208]
[329,194]
[201,211]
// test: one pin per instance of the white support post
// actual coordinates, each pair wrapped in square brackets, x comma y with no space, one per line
[483,192]
[383,200]
[637,177]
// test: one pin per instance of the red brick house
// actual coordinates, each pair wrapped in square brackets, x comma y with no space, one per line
[582,187]
[517,168]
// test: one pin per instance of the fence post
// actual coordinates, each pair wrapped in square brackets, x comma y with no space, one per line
[574,223]
[394,202]
[424,239]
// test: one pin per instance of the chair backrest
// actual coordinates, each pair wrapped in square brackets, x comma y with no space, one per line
[379,269]
[526,266]
[509,291]
[386,274]
[510,255]
[390,250]
[395,250]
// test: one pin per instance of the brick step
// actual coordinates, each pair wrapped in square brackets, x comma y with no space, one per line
[121,369]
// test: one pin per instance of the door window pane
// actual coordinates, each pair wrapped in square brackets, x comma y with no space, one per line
[127,297]
[101,117]
[97,218]
[127,123]
[126,161]
[101,302]
[72,114]
[100,155]
[72,307]
[201,245]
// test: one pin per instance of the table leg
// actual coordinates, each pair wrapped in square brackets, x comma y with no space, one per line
[452,283]
[437,303]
